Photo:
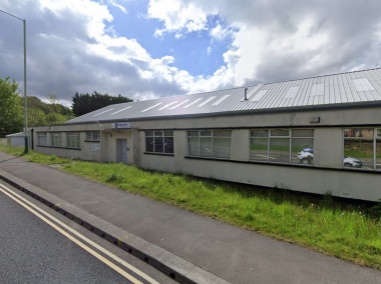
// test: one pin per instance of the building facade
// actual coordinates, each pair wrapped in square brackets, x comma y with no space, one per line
[314,135]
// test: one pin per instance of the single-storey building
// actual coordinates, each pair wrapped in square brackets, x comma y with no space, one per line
[17,139]
[318,135]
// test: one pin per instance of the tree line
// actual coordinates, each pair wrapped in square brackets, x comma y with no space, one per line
[85,103]
[50,112]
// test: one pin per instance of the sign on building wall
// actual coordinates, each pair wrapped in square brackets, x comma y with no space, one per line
[95,147]
[121,125]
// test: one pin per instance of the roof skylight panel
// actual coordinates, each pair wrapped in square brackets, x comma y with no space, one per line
[192,103]
[167,105]
[121,110]
[363,85]
[180,104]
[292,92]
[103,112]
[221,100]
[259,96]
[151,107]
[208,100]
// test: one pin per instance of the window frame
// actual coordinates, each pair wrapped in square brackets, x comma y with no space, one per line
[210,137]
[355,134]
[162,141]
[56,137]
[270,134]
[43,135]
[93,136]
[73,140]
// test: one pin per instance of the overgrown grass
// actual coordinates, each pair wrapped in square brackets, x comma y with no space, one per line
[348,230]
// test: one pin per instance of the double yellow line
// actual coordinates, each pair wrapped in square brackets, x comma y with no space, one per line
[80,240]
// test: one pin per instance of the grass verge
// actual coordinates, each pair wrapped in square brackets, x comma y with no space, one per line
[345,229]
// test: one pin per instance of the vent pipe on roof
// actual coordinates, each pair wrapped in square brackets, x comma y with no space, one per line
[245,94]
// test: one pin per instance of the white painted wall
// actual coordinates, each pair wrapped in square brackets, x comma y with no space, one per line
[338,181]
[326,175]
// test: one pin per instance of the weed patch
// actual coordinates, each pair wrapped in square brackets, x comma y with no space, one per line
[347,229]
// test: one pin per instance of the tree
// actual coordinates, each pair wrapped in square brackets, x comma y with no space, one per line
[52,112]
[52,116]
[11,114]
[36,117]
[85,103]
[37,111]
[57,112]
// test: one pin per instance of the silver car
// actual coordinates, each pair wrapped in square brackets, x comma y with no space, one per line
[306,156]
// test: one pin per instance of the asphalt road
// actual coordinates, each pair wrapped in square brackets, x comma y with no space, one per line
[31,251]
[231,253]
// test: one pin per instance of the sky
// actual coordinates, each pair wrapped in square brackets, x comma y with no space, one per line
[146,49]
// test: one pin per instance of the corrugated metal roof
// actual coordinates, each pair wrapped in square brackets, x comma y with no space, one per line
[352,87]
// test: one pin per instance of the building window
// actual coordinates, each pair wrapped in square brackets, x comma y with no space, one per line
[282,145]
[302,146]
[209,143]
[56,139]
[93,136]
[159,142]
[279,149]
[362,148]
[378,149]
[42,139]
[73,140]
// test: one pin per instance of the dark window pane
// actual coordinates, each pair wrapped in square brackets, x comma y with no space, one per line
[193,146]
[302,133]
[358,153]
[358,132]
[222,133]
[205,133]
[149,144]
[206,147]
[378,155]
[280,132]
[302,150]
[168,145]
[159,145]
[259,149]
[280,150]
[192,133]
[259,133]
[221,147]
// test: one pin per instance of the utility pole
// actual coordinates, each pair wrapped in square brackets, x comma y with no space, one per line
[26,149]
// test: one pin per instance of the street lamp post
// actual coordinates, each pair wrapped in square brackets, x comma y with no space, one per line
[25,93]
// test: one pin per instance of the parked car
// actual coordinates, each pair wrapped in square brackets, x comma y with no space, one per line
[306,156]
[352,162]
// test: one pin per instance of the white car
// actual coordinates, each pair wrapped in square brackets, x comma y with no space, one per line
[352,162]
[306,156]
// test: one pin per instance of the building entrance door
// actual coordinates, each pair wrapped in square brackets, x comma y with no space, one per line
[121,153]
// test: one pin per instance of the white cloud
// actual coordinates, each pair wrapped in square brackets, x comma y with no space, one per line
[283,40]
[71,49]
[220,32]
[117,5]
[177,17]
